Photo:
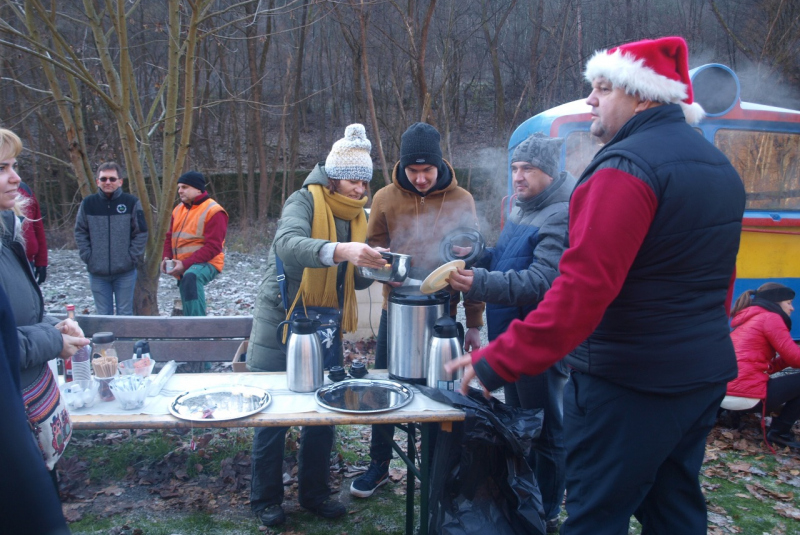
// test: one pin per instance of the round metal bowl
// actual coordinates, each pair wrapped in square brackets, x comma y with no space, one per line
[364,396]
[219,404]
[395,270]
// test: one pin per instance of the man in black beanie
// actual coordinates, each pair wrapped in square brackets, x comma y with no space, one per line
[193,249]
[412,215]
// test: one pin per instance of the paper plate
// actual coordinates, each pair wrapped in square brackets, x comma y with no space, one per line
[364,396]
[438,277]
[219,404]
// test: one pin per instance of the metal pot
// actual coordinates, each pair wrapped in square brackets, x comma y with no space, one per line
[395,270]
[411,318]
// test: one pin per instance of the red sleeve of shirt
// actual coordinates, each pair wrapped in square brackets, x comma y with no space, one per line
[729,296]
[609,216]
[168,241]
[35,213]
[214,235]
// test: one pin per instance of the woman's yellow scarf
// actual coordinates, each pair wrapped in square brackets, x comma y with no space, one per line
[318,286]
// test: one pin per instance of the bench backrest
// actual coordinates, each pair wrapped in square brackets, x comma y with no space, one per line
[178,338]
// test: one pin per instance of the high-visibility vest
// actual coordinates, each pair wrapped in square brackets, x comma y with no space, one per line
[188,226]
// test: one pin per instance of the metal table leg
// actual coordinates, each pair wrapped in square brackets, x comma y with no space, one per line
[424,489]
[410,478]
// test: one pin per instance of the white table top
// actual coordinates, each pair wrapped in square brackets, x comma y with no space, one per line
[286,408]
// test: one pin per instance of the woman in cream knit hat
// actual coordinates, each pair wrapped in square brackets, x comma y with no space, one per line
[320,240]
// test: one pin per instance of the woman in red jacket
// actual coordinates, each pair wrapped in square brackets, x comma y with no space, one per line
[761,325]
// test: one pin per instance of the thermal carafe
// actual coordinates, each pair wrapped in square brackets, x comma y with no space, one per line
[445,346]
[411,317]
[303,355]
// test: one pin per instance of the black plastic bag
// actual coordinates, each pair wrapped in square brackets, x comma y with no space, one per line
[481,482]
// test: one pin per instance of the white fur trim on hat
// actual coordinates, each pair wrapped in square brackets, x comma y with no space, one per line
[631,74]
[693,112]
[655,70]
[349,158]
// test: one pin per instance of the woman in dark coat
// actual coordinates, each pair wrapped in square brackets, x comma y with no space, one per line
[41,338]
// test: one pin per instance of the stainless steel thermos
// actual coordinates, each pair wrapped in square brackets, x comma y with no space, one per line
[304,371]
[444,347]
[411,317]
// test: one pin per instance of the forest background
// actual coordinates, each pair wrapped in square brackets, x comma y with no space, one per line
[254,92]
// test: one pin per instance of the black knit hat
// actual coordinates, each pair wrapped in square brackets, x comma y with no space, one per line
[540,151]
[420,144]
[775,295]
[194,179]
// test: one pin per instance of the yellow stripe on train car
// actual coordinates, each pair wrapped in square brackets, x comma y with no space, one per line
[769,252]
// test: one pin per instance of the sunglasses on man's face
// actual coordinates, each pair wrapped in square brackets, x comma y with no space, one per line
[108,179]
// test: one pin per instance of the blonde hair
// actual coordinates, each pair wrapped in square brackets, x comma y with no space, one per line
[10,144]
[10,147]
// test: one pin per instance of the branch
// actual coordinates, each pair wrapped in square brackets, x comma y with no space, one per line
[740,45]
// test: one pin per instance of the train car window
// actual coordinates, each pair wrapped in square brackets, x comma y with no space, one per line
[769,164]
[581,148]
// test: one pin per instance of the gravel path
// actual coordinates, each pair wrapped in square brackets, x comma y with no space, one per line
[232,293]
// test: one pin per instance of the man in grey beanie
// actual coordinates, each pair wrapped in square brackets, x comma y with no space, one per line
[513,277]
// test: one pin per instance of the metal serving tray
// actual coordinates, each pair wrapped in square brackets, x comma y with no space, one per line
[220,404]
[364,396]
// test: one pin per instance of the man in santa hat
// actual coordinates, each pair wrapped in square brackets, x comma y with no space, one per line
[640,306]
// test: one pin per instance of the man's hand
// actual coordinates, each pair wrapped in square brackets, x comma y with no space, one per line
[472,339]
[71,344]
[358,254]
[460,252]
[469,373]
[69,327]
[177,269]
[41,274]
[461,280]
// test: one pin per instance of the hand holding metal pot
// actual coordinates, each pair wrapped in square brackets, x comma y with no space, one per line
[394,268]
[358,254]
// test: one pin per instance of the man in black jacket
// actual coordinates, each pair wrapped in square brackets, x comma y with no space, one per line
[111,234]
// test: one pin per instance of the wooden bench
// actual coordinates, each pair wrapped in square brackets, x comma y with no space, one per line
[178,338]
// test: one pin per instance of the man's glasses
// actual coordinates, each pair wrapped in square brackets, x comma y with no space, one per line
[107,179]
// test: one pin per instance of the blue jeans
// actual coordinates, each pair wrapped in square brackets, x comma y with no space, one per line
[110,289]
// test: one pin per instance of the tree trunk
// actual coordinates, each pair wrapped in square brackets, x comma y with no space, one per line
[294,142]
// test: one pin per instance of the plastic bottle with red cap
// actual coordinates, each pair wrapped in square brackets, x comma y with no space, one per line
[68,360]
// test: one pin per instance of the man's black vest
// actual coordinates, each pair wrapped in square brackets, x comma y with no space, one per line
[667,330]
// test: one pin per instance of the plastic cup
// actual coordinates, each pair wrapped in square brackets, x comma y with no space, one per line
[81,365]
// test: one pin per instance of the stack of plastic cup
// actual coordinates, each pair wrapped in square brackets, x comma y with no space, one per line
[81,365]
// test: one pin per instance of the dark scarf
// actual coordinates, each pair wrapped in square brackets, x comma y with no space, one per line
[772,307]
[442,181]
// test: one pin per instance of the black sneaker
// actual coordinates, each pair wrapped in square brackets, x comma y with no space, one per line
[272,516]
[374,477]
[782,439]
[330,508]
[552,525]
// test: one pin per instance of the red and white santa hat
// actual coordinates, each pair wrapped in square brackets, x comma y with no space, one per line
[655,69]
